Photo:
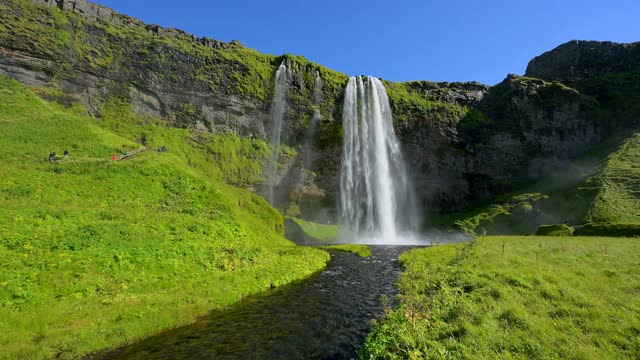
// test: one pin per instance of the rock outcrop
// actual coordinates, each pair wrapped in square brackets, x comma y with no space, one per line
[580,60]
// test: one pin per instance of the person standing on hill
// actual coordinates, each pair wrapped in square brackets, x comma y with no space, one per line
[52,155]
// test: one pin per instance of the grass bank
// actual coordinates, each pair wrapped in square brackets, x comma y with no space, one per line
[97,253]
[360,250]
[515,297]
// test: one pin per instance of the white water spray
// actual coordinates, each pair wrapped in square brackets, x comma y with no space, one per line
[278,111]
[376,197]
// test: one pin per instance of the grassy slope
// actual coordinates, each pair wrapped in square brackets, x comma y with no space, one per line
[539,298]
[321,232]
[618,184]
[96,253]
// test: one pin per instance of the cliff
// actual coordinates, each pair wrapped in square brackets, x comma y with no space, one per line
[580,60]
[465,141]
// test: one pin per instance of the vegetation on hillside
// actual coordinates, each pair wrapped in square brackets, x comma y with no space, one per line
[618,183]
[96,253]
[319,232]
[409,105]
[515,297]
[617,96]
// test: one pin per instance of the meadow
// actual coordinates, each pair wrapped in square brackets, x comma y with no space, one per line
[515,297]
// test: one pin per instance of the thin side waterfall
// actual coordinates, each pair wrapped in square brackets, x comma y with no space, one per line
[376,196]
[317,99]
[307,149]
[278,111]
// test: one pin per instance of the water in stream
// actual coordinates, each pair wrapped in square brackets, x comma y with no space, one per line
[325,317]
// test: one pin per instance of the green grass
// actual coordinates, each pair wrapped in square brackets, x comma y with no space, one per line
[515,297]
[618,199]
[321,232]
[97,253]
[360,250]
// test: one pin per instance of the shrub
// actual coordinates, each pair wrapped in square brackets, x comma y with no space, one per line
[555,230]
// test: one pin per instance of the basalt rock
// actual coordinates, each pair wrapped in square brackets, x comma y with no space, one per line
[580,60]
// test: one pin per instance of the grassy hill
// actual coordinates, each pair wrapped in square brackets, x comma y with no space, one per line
[96,253]
[515,297]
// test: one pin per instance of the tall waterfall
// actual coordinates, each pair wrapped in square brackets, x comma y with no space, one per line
[278,111]
[376,197]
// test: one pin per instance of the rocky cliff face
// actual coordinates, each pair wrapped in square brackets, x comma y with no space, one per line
[526,128]
[581,60]
[463,141]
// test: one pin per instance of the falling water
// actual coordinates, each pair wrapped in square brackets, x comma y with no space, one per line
[307,149]
[278,111]
[317,99]
[376,200]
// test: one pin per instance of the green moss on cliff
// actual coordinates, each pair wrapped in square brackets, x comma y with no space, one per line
[409,106]
[121,50]
[498,104]
[30,26]
[474,119]
[617,96]
[239,161]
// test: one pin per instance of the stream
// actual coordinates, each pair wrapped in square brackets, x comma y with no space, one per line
[324,317]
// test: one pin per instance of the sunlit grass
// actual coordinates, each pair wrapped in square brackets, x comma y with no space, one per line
[516,297]
[321,232]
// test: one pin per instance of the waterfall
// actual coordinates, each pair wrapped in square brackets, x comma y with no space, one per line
[376,196]
[316,119]
[317,99]
[278,111]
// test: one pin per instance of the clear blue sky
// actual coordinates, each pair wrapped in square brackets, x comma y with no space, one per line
[400,40]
